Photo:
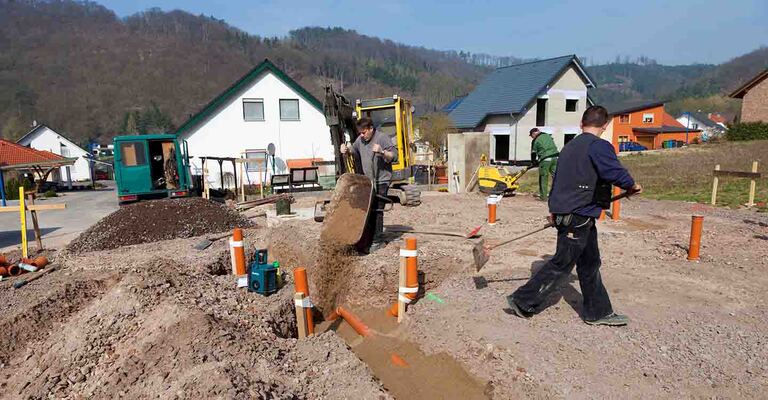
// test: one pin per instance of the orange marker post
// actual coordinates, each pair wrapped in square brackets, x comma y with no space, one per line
[616,206]
[491,210]
[697,221]
[408,284]
[602,216]
[302,286]
[238,252]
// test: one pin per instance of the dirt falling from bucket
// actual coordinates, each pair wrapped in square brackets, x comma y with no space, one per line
[332,274]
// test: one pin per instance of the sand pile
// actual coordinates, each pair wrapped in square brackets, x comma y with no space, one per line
[151,221]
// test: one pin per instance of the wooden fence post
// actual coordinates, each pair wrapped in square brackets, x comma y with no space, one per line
[714,185]
[752,186]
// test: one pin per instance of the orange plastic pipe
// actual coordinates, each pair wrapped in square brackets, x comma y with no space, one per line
[302,285]
[616,209]
[353,321]
[697,221]
[14,270]
[3,260]
[602,216]
[237,238]
[40,261]
[3,270]
[491,212]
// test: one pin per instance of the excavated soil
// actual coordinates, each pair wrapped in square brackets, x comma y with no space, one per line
[162,319]
[151,221]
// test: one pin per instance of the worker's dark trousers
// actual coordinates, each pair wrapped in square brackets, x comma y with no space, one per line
[374,225]
[576,244]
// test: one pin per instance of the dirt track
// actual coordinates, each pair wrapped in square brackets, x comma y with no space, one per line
[162,319]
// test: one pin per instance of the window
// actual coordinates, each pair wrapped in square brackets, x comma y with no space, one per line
[132,154]
[571,105]
[623,139]
[694,126]
[624,118]
[253,110]
[289,109]
[541,112]
[568,138]
[648,118]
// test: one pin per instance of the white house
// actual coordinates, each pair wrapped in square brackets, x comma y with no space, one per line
[548,94]
[698,121]
[263,107]
[41,137]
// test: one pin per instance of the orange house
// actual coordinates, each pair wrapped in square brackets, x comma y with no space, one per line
[649,125]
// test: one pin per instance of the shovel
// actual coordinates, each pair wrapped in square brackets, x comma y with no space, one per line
[207,242]
[472,234]
[481,253]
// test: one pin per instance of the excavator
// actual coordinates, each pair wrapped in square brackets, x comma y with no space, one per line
[392,116]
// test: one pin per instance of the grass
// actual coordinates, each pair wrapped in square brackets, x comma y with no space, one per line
[685,174]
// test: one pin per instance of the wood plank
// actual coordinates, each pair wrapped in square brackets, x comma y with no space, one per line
[738,174]
[35,225]
[36,207]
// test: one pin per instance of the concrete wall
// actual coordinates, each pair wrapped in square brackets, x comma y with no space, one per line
[558,121]
[48,139]
[754,106]
[227,134]
[464,152]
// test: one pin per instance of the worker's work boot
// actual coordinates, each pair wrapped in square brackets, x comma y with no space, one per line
[610,320]
[518,310]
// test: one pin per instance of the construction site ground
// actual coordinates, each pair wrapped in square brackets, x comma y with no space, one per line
[164,320]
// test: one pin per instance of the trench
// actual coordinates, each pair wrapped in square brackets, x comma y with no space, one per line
[401,366]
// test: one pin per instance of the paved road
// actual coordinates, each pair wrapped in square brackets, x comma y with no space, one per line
[59,227]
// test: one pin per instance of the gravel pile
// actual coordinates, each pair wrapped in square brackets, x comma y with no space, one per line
[152,221]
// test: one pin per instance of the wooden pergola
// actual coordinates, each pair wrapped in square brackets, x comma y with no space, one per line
[41,169]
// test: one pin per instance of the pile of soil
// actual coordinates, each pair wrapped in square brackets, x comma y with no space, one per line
[151,221]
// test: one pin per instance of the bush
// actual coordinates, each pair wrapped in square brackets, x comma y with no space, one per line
[748,131]
[50,193]
[12,187]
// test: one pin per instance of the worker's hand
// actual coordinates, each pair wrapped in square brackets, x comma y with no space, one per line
[636,189]
[376,148]
[343,148]
[551,219]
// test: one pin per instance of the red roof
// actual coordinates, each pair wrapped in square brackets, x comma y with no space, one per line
[14,154]
[717,118]
[668,120]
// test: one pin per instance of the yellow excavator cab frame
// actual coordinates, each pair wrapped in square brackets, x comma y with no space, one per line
[403,134]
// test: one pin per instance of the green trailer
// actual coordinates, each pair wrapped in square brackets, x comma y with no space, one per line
[151,167]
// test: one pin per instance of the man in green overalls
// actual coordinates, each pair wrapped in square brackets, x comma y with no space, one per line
[543,155]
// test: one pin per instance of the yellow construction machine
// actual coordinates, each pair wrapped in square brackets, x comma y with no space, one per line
[495,179]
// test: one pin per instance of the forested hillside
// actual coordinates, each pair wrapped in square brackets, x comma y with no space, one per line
[79,68]
[86,72]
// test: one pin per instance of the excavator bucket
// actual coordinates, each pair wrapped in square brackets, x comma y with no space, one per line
[348,210]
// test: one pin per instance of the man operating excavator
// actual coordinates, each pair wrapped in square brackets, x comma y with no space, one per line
[376,153]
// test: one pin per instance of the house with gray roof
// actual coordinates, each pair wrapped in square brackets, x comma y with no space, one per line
[696,120]
[548,94]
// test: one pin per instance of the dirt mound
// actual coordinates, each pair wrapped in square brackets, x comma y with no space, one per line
[151,221]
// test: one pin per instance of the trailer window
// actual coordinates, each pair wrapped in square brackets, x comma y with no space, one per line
[132,154]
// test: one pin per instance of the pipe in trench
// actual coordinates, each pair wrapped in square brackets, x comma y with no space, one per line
[353,321]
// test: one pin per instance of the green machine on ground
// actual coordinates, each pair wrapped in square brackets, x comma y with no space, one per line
[151,167]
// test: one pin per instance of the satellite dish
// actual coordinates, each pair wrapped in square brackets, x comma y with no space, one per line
[271,149]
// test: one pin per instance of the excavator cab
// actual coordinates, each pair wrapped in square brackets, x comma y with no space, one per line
[393,116]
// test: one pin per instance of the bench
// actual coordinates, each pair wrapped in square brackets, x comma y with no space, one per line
[301,179]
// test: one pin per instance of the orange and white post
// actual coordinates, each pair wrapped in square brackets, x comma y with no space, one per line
[303,303]
[492,202]
[408,282]
[697,221]
[237,252]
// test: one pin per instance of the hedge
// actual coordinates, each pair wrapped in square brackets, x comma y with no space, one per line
[748,131]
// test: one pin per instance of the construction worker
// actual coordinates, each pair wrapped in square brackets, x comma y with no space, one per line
[580,190]
[376,153]
[543,155]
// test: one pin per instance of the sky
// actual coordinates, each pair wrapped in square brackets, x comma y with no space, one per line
[673,32]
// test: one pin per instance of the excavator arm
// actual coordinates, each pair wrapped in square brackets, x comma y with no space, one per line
[340,118]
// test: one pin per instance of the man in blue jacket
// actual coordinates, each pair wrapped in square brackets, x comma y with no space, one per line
[587,169]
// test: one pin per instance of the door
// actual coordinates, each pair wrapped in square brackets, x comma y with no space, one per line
[132,168]
[501,144]
[646,141]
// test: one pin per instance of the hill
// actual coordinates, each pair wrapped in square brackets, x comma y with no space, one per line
[79,68]
[84,71]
